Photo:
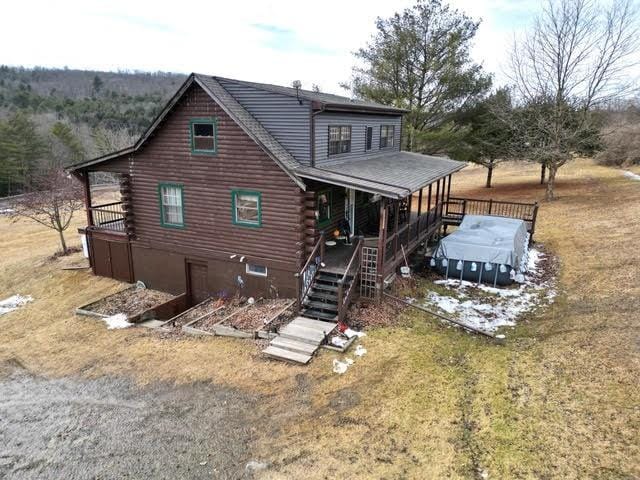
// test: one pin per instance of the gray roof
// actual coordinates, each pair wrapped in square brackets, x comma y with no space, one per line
[329,99]
[392,174]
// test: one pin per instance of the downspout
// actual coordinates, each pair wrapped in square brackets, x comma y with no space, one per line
[313,131]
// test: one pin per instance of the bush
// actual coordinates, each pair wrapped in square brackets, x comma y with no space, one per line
[621,145]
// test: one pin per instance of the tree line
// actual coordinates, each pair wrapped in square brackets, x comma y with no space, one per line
[566,74]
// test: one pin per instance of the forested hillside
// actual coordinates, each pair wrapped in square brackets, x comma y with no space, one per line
[60,116]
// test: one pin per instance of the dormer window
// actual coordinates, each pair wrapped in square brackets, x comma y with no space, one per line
[203,136]
[339,139]
[387,135]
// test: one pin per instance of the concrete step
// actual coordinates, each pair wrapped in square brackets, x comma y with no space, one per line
[294,345]
[286,355]
[302,334]
[320,325]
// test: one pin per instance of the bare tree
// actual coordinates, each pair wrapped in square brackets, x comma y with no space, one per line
[57,196]
[573,59]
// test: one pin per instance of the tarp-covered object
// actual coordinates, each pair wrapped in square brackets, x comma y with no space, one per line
[482,238]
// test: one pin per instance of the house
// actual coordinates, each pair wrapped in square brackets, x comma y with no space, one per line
[242,186]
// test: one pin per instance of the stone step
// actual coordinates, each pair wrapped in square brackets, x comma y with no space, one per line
[287,355]
[294,345]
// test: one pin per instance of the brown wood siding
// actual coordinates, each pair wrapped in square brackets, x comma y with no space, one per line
[208,181]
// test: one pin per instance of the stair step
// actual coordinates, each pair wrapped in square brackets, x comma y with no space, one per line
[313,313]
[302,333]
[331,307]
[324,287]
[288,355]
[326,278]
[320,325]
[294,345]
[329,297]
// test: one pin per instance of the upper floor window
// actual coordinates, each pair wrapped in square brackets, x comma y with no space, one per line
[339,139]
[387,134]
[369,138]
[204,135]
[171,198]
[246,208]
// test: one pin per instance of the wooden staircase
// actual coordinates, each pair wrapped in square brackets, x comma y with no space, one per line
[299,340]
[321,301]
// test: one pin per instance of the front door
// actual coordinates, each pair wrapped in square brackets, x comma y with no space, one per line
[197,282]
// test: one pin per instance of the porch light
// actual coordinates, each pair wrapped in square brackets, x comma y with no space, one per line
[459,265]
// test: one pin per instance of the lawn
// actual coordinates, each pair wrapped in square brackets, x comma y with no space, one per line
[560,399]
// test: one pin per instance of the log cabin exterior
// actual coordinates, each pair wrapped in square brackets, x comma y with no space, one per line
[239,186]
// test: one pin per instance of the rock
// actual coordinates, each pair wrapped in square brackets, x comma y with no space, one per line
[255,466]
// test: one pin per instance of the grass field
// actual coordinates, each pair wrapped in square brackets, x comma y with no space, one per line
[561,399]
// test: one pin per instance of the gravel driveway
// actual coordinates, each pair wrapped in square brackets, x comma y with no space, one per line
[108,428]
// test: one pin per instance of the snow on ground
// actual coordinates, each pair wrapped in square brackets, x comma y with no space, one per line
[488,308]
[119,320]
[632,176]
[13,303]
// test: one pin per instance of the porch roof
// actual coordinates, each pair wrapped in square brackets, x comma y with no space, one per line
[391,174]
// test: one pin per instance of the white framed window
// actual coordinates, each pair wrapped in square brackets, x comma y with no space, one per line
[257,270]
[171,198]
[387,135]
[339,139]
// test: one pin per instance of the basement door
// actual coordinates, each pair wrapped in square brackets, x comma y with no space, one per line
[197,282]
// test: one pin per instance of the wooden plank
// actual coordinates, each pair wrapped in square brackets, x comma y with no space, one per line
[304,334]
[318,325]
[294,345]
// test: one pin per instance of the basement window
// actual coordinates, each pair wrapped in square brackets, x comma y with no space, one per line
[171,197]
[339,139]
[257,270]
[246,208]
[203,135]
[387,134]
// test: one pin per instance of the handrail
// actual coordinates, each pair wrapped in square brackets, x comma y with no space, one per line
[308,271]
[484,200]
[106,205]
[344,300]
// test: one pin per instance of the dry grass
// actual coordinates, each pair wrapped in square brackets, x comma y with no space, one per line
[559,400]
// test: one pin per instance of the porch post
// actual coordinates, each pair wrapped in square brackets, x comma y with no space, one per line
[437,206]
[395,228]
[419,214]
[87,198]
[429,206]
[449,189]
[382,240]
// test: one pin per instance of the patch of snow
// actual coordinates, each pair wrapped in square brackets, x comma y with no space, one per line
[13,303]
[6,211]
[501,307]
[632,176]
[119,320]
[360,351]
[352,333]
[339,367]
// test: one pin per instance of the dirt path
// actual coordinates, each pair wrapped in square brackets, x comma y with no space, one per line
[108,428]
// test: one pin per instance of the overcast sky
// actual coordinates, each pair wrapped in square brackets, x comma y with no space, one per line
[275,42]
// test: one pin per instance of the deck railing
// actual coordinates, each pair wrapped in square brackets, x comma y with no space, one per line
[352,270]
[109,216]
[409,235]
[308,272]
[456,208]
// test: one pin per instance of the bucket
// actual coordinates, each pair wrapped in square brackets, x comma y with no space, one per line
[405,272]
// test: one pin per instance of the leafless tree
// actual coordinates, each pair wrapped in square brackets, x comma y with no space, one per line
[573,59]
[56,197]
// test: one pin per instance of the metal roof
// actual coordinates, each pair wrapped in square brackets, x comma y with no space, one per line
[329,99]
[392,174]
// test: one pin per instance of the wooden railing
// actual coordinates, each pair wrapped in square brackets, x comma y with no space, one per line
[109,216]
[409,235]
[352,270]
[308,272]
[457,208]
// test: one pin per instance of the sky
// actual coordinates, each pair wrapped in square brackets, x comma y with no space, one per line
[264,41]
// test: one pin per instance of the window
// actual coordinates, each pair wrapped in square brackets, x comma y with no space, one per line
[203,135]
[339,140]
[369,138]
[257,270]
[387,134]
[246,208]
[171,199]
[323,207]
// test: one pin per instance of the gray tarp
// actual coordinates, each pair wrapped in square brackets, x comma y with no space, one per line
[482,238]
